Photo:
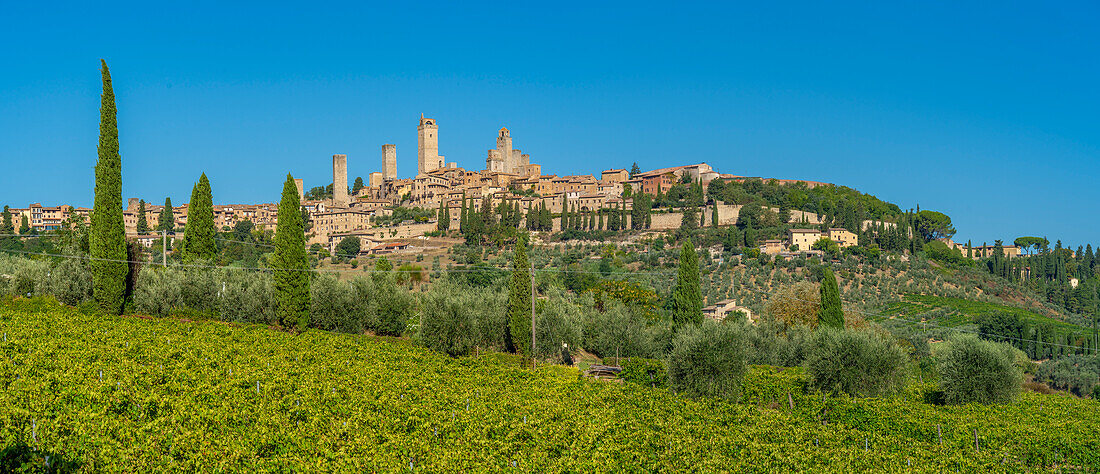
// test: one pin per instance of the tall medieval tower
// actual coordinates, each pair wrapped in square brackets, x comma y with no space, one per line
[340,181]
[427,151]
[389,161]
[504,149]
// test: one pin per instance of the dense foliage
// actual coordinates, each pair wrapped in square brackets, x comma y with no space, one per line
[972,370]
[107,240]
[855,362]
[209,396]
[198,234]
[291,280]
[707,361]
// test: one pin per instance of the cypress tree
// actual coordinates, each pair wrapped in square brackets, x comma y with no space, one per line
[289,261]
[714,215]
[831,314]
[107,237]
[519,299]
[687,298]
[142,223]
[167,221]
[198,235]
[7,227]
[441,218]
[463,225]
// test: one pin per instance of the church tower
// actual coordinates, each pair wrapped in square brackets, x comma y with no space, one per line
[427,150]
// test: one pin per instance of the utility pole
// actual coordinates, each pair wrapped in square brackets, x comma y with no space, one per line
[532,273]
[164,248]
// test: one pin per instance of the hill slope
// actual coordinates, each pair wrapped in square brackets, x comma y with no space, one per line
[130,394]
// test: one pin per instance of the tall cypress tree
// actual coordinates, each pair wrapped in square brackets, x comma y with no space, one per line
[714,215]
[289,261]
[167,220]
[107,237]
[463,216]
[519,299]
[831,314]
[142,222]
[687,297]
[198,235]
[7,227]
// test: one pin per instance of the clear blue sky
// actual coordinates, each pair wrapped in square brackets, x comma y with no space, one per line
[986,113]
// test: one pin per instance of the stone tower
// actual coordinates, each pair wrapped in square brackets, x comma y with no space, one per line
[389,161]
[427,149]
[504,150]
[301,189]
[340,181]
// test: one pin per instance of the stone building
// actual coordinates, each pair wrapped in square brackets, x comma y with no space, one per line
[505,159]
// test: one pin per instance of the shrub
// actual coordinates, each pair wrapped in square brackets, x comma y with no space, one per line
[796,304]
[649,372]
[857,362]
[621,331]
[558,321]
[248,297]
[708,360]
[70,281]
[1076,373]
[393,305]
[446,324]
[975,371]
[770,342]
[333,306]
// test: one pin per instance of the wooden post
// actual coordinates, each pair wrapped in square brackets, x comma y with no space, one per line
[790,401]
[975,440]
[939,433]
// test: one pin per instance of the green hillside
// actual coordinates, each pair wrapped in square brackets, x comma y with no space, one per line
[128,394]
[955,312]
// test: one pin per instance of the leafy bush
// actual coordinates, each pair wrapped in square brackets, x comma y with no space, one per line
[770,342]
[708,360]
[857,362]
[333,305]
[71,282]
[247,297]
[558,321]
[622,332]
[393,305]
[796,304]
[446,324]
[648,372]
[162,291]
[975,371]
[1076,373]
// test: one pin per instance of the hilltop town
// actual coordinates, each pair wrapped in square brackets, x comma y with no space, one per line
[341,210]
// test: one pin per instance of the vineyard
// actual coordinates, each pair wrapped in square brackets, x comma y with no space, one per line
[97,393]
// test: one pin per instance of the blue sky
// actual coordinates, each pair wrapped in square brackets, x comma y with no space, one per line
[985,112]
